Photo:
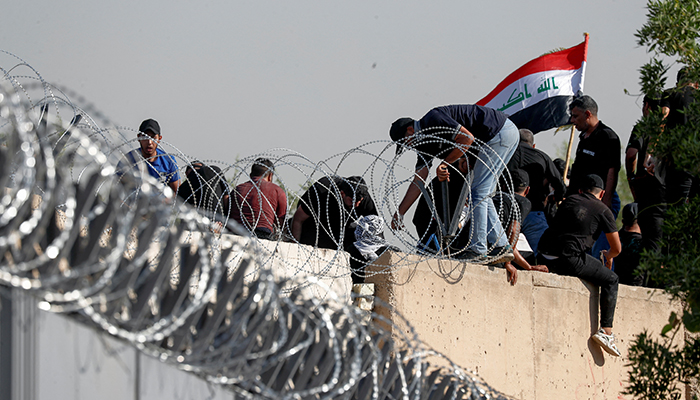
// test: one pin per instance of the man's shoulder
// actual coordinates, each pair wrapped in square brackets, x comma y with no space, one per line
[607,131]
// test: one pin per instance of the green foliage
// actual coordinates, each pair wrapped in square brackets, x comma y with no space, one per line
[659,367]
[672,30]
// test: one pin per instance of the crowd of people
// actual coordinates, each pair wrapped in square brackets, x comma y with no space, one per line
[495,199]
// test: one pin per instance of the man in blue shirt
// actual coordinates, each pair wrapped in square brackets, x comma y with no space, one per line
[447,132]
[159,165]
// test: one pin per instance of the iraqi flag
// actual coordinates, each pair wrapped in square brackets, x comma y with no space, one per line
[537,95]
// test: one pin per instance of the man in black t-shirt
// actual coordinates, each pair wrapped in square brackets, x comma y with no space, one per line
[649,192]
[581,218]
[598,150]
[631,239]
[330,207]
[679,183]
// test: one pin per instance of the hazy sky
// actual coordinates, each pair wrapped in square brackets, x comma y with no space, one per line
[230,78]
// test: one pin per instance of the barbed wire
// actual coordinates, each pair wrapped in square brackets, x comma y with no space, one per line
[111,246]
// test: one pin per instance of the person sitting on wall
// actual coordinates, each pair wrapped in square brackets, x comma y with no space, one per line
[328,210]
[506,204]
[205,188]
[631,239]
[259,204]
[579,220]
[151,158]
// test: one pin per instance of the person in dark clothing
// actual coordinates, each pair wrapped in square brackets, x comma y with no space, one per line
[544,179]
[328,210]
[205,188]
[447,132]
[429,214]
[563,249]
[679,183]
[598,151]
[648,190]
[631,240]
[513,209]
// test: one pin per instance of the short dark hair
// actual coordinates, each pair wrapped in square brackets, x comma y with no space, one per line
[354,186]
[527,136]
[653,102]
[261,167]
[586,103]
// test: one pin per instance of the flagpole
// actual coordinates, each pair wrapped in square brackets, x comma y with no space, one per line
[568,155]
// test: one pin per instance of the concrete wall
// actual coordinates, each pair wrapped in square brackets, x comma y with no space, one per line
[531,340]
[63,359]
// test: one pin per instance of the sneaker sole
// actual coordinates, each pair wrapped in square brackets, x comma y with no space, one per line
[503,258]
[604,347]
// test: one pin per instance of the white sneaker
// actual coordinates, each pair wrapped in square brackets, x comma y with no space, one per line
[607,342]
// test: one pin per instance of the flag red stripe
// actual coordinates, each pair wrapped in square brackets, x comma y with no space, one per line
[568,59]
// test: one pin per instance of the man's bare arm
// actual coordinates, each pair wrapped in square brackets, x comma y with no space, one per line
[610,185]
[410,197]
[298,220]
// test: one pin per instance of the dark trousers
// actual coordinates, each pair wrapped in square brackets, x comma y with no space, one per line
[651,200]
[592,270]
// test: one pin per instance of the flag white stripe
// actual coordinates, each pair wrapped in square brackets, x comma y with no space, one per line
[532,89]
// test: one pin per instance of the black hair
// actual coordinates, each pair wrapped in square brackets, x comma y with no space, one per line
[586,103]
[261,167]
[354,186]
[653,102]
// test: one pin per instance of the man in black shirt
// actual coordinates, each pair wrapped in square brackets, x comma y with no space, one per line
[649,192]
[673,104]
[598,150]
[631,239]
[581,218]
[542,174]
[329,209]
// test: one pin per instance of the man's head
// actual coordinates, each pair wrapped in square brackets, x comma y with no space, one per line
[584,113]
[526,136]
[149,137]
[521,181]
[353,190]
[262,167]
[684,78]
[650,104]
[594,185]
[399,130]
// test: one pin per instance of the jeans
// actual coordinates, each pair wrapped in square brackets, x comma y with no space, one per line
[592,270]
[491,161]
[534,226]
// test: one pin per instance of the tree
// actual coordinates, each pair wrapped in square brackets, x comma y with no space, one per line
[672,33]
